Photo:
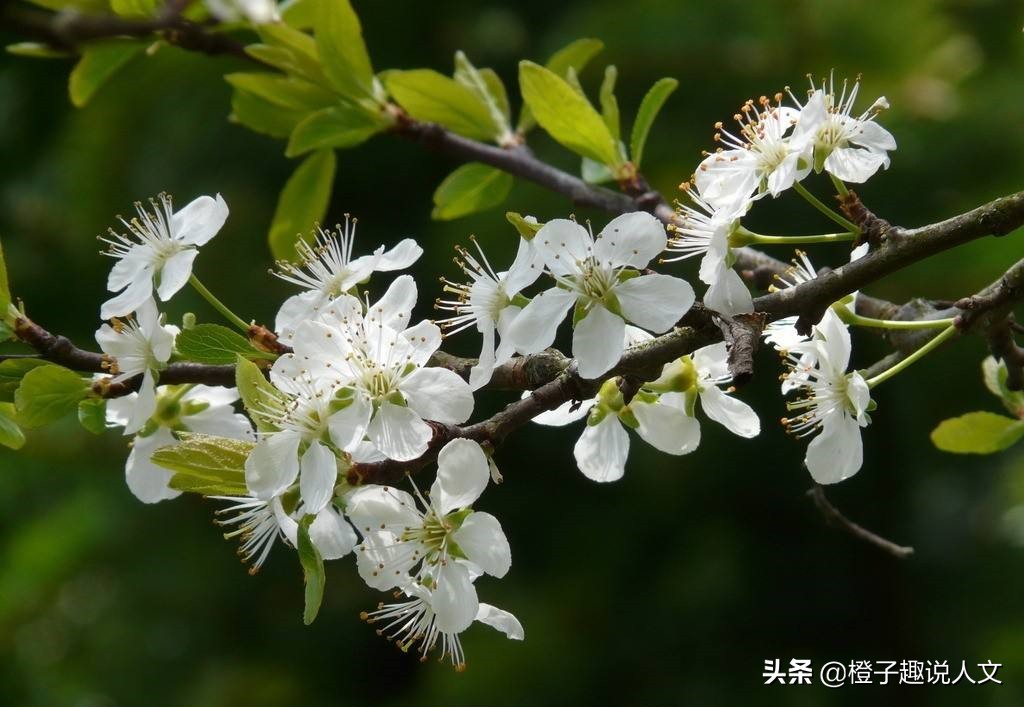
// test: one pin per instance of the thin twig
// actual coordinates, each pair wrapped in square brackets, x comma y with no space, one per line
[837,520]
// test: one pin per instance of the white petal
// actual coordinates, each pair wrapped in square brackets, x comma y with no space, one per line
[859,394]
[319,473]
[712,361]
[598,341]
[398,432]
[726,177]
[462,475]
[295,310]
[134,266]
[735,415]
[400,257]
[394,309]
[454,600]
[655,302]
[853,164]
[147,481]
[175,273]
[221,421]
[484,543]
[563,414]
[635,335]
[525,269]
[145,405]
[480,374]
[197,222]
[424,339]
[438,394]
[331,534]
[273,464]
[602,450]
[383,561]
[837,452]
[836,341]
[501,620]
[374,508]
[348,425]
[130,300]
[666,428]
[562,244]
[729,295]
[631,239]
[874,137]
[534,329]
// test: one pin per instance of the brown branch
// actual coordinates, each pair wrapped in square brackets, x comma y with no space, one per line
[837,520]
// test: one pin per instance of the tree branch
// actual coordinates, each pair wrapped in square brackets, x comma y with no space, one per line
[837,520]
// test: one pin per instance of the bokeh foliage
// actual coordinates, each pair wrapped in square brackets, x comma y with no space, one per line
[669,587]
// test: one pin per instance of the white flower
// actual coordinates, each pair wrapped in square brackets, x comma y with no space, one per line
[256,11]
[834,402]
[705,231]
[417,621]
[850,148]
[158,250]
[139,345]
[443,544]
[487,303]
[181,408]
[600,277]
[385,369]
[327,270]
[763,157]
[259,522]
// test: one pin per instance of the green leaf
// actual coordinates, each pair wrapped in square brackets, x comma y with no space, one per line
[566,115]
[610,106]
[5,289]
[98,64]
[312,570]
[206,464]
[434,98]
[213,343]
[488,89]
[303,202]
[470,188]
[261,399]
[133,8]
[79,5]
[35,50]
[262,116]
[575,56]
[526,229]
[48,393]
[291,51]
[595,172]
[340,126]
[977,433]
[92,414]
[285,91]
[649,108]
[10,434]
[11,373]
[994,374]
[300,14]
[339,37]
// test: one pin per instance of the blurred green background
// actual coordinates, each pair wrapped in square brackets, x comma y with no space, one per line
[669,587]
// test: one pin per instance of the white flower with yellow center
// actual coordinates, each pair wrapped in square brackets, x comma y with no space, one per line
[158,250]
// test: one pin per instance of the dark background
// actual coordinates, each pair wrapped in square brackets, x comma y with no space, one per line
[671,586]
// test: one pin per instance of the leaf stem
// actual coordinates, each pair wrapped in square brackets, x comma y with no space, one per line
[885,375]
[745,237]
[218,305]
[820,206]
[839,185]
[898,324]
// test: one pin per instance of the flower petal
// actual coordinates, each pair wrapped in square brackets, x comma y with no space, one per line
[666,428]
[394,308]
[525,269]
[501,620]
[630,239]
[563,244]
[424,339]
[729,295]
[398,432]
[438,394]
[484,543]
[602,450]
[273,464]
[837,452]
[130,300]
[331,534]
[735,415]
[454,600]
[382,508]
[200,220]
[145,404]
[598,341]
[535,327]
[383,561]
[319,474]
[462,475]
[175,273]
[400,257]
[564,414]
[655,302]
[348,425]
[147,481]
[133,266]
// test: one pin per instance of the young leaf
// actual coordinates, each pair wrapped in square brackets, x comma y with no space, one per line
[488,89]
[285,91]
[133,8]
[92,414]
[610,106]
[300,14]
[99,62]
[337,127]
[595,172]
[994,374]
[47,393]
[575,56]
[206,464]
[339,37]
[5,289]
[312,570]
[566,115]
[526,229]
[291,51]
[261,116]
[258,395]
[302,203]
[213,343]
[649,108]
[35,50]
[11,435]
[470,188]
[434,98]
[977,433]
[11,373]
